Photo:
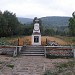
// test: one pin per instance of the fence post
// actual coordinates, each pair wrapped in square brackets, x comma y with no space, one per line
[45,51]
[19,50]
[74,52]
[15,52]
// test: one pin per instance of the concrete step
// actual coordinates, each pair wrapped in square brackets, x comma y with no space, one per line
[34,47]
[32,50]
[32,54]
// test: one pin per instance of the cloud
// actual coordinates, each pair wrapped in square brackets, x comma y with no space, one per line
[39,8]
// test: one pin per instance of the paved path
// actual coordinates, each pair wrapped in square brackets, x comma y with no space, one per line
[30,65]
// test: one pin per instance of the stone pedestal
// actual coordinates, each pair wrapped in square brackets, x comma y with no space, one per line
[36,39]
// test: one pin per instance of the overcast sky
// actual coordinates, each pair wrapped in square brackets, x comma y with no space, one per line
[38,8]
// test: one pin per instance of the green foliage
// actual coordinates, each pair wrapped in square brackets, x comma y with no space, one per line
[66,67]
[25,20]
[12,22]
[48,72]
[63,68]
[4,41]
[1,62]
[56,57]
[49,32]
[72,25]
[28,29]
[59,25]
[10,66]
[55,21]
[8,24]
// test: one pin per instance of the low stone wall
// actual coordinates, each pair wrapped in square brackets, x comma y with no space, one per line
[7,50]
[10,50]
[59,51]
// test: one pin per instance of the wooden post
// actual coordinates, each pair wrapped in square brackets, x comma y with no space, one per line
[20,42]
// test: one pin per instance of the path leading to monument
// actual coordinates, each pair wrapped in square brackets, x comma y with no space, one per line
[28,65]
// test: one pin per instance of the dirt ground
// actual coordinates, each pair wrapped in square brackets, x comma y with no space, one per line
[27,65]
[57,40]
[27,40]
[49,38]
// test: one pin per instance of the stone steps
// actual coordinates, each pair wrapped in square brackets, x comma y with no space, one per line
[32,54]
[32,50]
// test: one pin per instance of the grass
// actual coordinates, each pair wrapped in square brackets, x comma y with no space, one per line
[8,40]
[67,39]
[1,62]
[59,56]
[48,72]
[64,68]
[10,66]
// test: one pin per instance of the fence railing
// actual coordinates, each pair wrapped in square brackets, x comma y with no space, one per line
[10,50]
[65,51]
[59,51]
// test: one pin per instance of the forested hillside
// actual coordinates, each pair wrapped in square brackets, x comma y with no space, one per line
[10,25]
[48,21]
[52,25]
[55,21]
[25,20]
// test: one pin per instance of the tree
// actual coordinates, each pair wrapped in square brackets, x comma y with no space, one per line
[28,29]
[9,24]
[72,25]
[49,32]
[3,25]
[12,22]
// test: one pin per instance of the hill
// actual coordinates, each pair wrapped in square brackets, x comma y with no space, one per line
[55,21]
[48,21]
[24,20]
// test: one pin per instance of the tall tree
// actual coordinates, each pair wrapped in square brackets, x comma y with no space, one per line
[9,24]
[3,25]
[49,31]
[12,22]
[72,24]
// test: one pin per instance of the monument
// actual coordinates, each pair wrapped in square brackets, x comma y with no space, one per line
[36,35]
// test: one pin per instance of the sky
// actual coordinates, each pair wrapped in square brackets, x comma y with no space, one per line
[38,8]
